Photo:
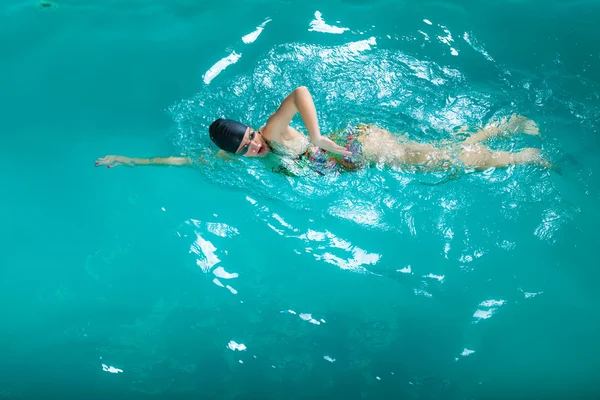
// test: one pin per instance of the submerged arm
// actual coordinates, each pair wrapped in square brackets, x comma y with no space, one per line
[301,101]
[115,161]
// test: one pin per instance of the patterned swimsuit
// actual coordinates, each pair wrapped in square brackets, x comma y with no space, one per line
[322,161]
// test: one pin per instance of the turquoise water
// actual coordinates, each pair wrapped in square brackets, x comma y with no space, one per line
[228,281]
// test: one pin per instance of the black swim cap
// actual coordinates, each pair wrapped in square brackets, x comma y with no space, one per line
[227,134]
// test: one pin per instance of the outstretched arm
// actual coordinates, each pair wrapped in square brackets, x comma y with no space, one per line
[301,101]
[115,161]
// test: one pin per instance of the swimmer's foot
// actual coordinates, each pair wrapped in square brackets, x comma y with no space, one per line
[531,156]
[521,124]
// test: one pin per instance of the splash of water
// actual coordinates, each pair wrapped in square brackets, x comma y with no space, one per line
[358,81]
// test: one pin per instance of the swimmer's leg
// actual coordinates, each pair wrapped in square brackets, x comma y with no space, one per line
[381,146]
[481,157]
[514,124]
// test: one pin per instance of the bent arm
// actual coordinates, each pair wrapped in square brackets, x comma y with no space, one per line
[300,100]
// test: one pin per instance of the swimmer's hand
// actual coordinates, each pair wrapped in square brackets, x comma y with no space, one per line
[112,161]
[327,144]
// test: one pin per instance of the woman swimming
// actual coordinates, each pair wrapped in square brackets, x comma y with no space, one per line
[363,145]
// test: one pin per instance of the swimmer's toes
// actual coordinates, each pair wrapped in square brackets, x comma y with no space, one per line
[521,124]
[539,159]
[547,164]
[531,128]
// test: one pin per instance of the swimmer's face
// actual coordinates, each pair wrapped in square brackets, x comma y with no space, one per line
[253,144]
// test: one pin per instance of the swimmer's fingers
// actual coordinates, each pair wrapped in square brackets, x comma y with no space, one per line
[100,161]
[109,161]
[106,160]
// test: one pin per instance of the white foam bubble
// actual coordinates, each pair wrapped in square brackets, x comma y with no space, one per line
[232,345]
[319,25]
